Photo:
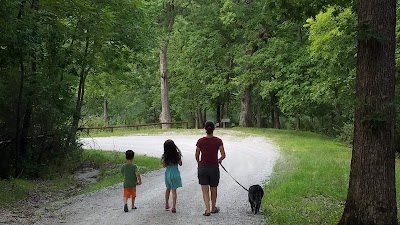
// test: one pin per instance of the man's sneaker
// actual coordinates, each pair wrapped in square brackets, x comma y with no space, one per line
[125,208]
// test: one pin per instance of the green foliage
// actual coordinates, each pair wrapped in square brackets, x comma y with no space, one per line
[46,53]
[299,54]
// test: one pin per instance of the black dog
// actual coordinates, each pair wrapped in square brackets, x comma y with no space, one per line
[256,194]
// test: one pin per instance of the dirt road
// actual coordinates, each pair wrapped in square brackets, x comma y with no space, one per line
[249,159]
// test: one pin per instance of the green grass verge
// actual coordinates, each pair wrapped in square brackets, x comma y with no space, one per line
[14,190]
[132,131]
[310,180]
[109,163]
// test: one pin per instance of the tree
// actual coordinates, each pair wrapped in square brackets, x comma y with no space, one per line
[371,197]
[168,23]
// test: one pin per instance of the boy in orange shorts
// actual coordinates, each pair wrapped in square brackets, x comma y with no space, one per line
[131,179]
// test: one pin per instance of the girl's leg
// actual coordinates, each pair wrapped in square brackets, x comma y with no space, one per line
[206,197]
[167,192]
[173,198]
[125,200]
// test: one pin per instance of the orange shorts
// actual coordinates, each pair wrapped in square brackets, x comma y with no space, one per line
[130,192]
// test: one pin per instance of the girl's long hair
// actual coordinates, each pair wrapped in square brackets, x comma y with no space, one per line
[172,154]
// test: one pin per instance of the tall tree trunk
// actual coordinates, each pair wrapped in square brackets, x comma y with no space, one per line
[218,112]
[199,117]
[371,198]
[84,71]
[245,107]
[275,121]
[22,132]
[165,116]
[105,112]
[298,123]
[258,114]
[18,118]
[225,109]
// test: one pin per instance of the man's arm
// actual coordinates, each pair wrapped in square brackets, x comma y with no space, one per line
[222,151]
[197,154]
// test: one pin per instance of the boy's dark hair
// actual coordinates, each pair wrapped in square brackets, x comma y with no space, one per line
[209,126]
[172,154]
[129,154]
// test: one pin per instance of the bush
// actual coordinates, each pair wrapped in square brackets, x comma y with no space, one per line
[347,133]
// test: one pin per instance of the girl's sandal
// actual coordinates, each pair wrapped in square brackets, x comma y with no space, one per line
[173,210]
[206,213]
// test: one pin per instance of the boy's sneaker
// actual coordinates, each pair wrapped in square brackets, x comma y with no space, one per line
[125,208]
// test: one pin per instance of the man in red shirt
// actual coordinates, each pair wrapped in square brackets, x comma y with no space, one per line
[208,166]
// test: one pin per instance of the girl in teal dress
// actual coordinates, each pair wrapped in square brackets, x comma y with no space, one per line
[170,160]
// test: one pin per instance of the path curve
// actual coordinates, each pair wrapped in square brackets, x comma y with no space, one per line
[249,159]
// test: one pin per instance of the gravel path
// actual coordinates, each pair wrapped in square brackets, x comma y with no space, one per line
[249,159]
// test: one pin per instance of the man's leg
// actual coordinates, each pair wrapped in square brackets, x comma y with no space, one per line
[206,196]
[213,197]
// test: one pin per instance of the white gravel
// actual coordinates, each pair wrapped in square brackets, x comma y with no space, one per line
[249,159]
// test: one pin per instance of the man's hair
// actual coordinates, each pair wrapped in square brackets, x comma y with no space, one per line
[129,154]
[209,126]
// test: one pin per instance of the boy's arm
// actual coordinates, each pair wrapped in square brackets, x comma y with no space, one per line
[139,179]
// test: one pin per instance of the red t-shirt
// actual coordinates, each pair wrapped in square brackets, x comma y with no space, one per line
[209,150]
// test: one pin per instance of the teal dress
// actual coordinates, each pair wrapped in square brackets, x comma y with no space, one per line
[172,177]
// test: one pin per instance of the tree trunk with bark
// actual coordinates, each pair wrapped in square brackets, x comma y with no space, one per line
[165,116]
[275,122]
[218,108]
[371,198]
[24,105]
[84,71]
[105,112]
[245,109]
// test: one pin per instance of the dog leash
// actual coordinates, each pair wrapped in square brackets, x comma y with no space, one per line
[232,177]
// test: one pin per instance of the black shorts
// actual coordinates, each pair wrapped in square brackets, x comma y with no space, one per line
[208,175]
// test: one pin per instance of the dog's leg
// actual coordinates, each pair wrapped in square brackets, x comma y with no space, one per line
[257,208]
[251,204]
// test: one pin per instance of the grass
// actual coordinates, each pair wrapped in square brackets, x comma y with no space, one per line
[16,190]
[310,180]
[132,131]
[109,163]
